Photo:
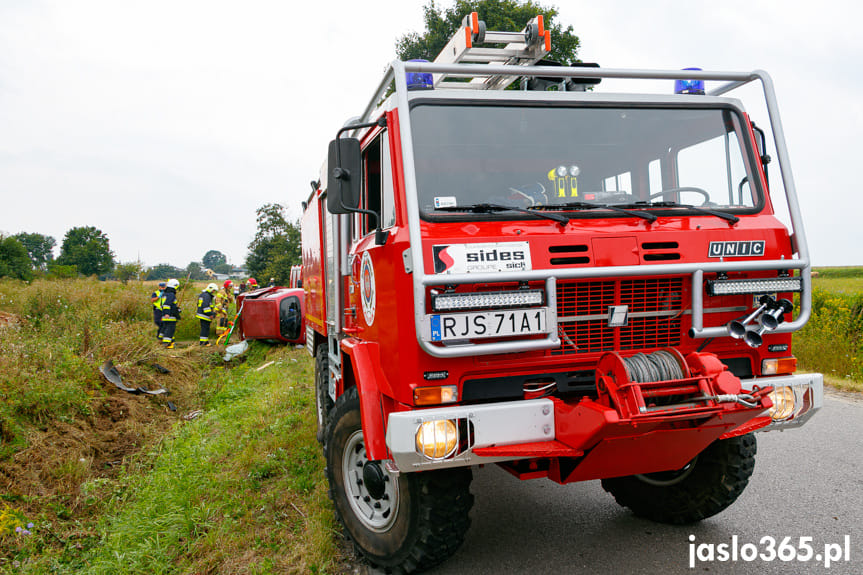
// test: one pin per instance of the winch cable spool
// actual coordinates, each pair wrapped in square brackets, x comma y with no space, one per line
[657,366]
[669,365]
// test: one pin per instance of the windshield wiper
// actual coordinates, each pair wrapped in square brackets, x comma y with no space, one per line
[490,208]
[724,215]
[589,206]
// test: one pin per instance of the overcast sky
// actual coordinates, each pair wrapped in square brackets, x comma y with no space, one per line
[167,124]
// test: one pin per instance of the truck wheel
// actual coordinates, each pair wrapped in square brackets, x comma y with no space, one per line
[704,487]
[403,522]
[323,401]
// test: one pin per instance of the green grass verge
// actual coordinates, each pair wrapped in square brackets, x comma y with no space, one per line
[239,489]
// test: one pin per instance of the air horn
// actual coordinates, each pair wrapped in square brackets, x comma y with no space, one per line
[769,321]
[737,329]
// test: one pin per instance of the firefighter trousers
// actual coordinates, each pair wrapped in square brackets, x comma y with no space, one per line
[205,330]
[168,329]
[157,319]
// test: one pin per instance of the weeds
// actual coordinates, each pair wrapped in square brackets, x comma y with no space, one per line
[832,341]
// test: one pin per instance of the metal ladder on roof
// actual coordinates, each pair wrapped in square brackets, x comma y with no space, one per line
[523,48]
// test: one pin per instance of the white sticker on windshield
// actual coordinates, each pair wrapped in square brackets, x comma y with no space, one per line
[445,202]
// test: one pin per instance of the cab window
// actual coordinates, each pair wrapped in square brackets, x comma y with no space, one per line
[378,194]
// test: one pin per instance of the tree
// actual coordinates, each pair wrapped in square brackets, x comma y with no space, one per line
[14,260]
[195,272]
[128,271]
[39,248]
[505,15]
[87,248]
[276,246]
[164,272]
[214,258]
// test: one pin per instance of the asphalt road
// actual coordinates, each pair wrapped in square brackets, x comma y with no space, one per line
[808,482]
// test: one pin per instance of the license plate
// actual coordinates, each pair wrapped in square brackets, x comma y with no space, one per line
[485,324]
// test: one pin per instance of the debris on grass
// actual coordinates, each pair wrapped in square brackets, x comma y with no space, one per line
[237,349]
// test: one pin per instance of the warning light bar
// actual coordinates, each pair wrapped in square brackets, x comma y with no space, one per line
[486,300]
[754,286]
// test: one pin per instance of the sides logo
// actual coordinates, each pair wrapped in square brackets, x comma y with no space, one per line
[742,249]
[478,258]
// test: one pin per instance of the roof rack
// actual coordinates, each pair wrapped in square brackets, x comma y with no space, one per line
[524,48]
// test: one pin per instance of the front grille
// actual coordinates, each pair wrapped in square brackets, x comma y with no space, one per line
[655,308]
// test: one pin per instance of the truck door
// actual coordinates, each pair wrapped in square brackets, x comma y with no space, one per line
[371,265]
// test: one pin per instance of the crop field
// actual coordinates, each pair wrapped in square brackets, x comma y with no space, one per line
[832,341]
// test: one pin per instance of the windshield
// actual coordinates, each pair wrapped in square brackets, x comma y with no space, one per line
[545,157]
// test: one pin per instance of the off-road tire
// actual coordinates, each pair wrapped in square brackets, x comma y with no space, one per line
[710,483]
[323,401]
[430,517]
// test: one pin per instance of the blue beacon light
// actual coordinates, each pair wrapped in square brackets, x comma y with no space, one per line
[420,80]
[689,86]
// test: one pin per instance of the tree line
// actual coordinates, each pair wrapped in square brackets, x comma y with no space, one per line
[86,251]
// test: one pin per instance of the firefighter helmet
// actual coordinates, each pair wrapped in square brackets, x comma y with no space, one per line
[252,282]
[212,288]
[172,283]
[228,284]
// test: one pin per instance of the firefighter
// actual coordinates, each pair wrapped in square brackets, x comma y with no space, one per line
[205,312]
[272,282]
[223,299]
[252,284]
[156,300]
[170,313]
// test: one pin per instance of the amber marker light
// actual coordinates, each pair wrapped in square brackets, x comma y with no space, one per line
[435,395]
[777,365]
[437,439]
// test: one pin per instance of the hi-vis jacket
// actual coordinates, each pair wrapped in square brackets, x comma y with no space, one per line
[205,306]
[223,299]
[157,297]
[170,308]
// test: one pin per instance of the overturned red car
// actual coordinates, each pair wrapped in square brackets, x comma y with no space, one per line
[273,314]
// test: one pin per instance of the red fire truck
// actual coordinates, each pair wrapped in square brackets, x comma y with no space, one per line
[569,283]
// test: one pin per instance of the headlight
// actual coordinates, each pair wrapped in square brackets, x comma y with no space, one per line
[437,439]
[765,285]
[783,403]
[486,300]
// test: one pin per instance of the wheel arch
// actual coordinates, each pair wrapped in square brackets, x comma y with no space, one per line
[361,368]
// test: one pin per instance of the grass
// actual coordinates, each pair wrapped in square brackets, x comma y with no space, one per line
[240,489]
[117,483]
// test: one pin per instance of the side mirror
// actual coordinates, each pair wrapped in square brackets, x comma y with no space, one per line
[344,180]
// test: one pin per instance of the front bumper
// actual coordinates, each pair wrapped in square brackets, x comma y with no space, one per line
[593,435]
